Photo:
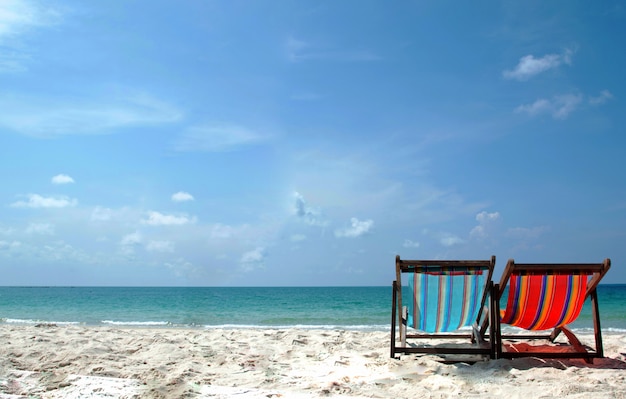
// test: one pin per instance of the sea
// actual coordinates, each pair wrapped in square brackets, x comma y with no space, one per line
[350,308]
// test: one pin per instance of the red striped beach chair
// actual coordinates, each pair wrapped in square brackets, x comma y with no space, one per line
[444,297]
[548,297]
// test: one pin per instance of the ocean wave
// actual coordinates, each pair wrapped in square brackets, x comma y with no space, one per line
[35,322]
[137,323]
[300,326]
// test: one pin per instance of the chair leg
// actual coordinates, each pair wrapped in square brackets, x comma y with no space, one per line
[596,323]
[493,321]
[496,326]
[403,326]
[394,297]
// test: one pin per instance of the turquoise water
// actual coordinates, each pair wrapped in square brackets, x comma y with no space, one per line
[367,308]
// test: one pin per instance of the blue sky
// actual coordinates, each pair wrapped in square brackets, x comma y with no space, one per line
[271,143]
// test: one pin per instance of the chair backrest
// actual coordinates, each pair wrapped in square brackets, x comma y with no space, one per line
[444,295]
[545,296]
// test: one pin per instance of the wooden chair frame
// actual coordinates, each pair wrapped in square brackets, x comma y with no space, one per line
[597,270]
[477,344]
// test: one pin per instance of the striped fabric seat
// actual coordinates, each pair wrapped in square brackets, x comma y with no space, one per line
[542,302]
[445,300]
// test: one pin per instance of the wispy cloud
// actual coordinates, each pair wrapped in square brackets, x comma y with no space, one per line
[530,66]
[295,48]
[298,51]
[603,97]
[17,17]
[132,239]
[222,231]
[560,107]
[8,230]
[253,259]
[527,232]
[7,245]
[160,246]
[449,239]
[217,138]
[159,219]
[52,118]
[297,237]
[40,228]
[410,244]
[357,228]
[485,221]
[129,242]
[306,213]
[38,201]
[12,61]
[182,196]
[183,268]
[101,214]
[62,179]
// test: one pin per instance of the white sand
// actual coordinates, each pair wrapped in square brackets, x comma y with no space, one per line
[102,362]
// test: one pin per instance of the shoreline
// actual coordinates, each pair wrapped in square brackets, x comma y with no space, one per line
[130,362]
[582,331]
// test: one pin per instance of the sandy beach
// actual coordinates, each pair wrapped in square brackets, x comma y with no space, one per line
[101,362]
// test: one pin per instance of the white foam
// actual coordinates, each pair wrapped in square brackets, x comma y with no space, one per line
[31,322]
[136,323]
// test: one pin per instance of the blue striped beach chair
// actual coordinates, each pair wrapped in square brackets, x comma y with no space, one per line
[441,300]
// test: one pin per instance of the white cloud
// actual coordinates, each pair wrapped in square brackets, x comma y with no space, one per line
[253,259]
[131,239]
[357,228]
[7,231]
[13,62]
[530,66]
[603,97]
[410,244]
[484,216]
[217,138]
[37,201]
[101,214]
[222,231]
[182,196]
[297,237]
[17,17]
[449,240]
[160,246]
[62,179]
[40,228]
[565,104]
[129,242]
[485,221]
[183,268]
[42,117]
[559,106]
[305,213]
[294,48]
[159,219]
[299,50]
[6,245]
[538,107]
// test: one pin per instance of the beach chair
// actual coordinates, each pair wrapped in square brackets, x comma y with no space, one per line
[548,297]
[444,297]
